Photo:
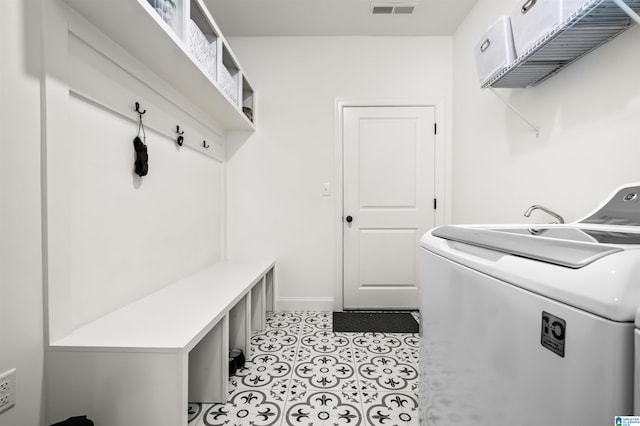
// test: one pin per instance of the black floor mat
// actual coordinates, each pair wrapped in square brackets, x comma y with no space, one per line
[380,322]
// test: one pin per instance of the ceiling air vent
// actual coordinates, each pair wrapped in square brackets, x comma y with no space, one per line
[390,9]
[403,10]
[382,10]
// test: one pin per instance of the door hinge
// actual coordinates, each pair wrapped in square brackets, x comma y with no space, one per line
[435,128]
[435,203]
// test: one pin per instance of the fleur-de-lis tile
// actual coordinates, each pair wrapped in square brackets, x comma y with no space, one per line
[301,373]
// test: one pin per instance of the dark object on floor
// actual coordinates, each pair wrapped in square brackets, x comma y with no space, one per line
[75,421]
[232,367]
[380,322]
[238,356]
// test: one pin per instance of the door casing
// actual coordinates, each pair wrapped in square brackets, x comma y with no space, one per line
[442,174]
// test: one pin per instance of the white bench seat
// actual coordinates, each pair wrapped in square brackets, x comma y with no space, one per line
[174,316]
[144,362]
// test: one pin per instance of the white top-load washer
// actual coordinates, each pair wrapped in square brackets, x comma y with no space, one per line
[532,325]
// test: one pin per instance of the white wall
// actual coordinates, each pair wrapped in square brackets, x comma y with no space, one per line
[589,127]
[21,336]
[275,178]
[115,237]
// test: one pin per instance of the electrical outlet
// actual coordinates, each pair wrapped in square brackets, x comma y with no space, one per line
[7,390]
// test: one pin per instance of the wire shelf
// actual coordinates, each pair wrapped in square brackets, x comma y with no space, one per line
[595,23]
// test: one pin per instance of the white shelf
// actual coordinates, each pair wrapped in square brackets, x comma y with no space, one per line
[595,23]
[135,26]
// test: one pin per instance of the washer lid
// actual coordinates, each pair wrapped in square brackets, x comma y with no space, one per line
[562,252]
[607,287]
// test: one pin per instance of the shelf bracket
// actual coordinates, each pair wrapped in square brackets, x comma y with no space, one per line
[522,117]
[626,9]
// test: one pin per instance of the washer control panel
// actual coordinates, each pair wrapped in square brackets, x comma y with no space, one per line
[622,209]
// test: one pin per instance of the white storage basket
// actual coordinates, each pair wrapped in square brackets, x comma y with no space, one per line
[167,10]
[495,51]
[532,19]
[229,84]
[203,49]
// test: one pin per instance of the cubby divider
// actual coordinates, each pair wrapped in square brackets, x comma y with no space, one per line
[258,305]
[239,325]
[270,289]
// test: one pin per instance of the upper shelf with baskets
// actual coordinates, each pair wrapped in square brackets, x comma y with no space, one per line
[594,23]
[180,42]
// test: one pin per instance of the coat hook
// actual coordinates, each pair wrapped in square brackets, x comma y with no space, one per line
[204,144]
[138,109]
[180,139]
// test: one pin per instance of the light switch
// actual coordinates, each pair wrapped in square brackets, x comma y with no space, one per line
[326,189]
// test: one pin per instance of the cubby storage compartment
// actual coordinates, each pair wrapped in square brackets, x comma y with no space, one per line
[261,301]
[258,307]
[207,363]
[532,19]
[494,51]
[270,288]
[171,12]
[203,48]
[202,39]
[247,99]
[240,326]
[229,75]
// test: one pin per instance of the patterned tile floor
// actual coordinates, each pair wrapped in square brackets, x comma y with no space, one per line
[302,373]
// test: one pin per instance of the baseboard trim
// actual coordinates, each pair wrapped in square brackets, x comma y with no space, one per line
[288,304]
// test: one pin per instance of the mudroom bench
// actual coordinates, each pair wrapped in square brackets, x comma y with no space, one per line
[144,362]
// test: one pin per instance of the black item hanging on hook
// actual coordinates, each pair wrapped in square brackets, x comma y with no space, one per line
[142,157]
[180,139]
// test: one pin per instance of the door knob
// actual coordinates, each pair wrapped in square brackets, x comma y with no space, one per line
[349,219]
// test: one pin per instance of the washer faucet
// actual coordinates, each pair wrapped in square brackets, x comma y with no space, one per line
[544,209]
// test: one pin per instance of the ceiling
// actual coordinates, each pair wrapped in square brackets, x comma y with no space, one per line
[336,17]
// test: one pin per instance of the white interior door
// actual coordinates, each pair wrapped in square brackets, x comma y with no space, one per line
[388,203]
